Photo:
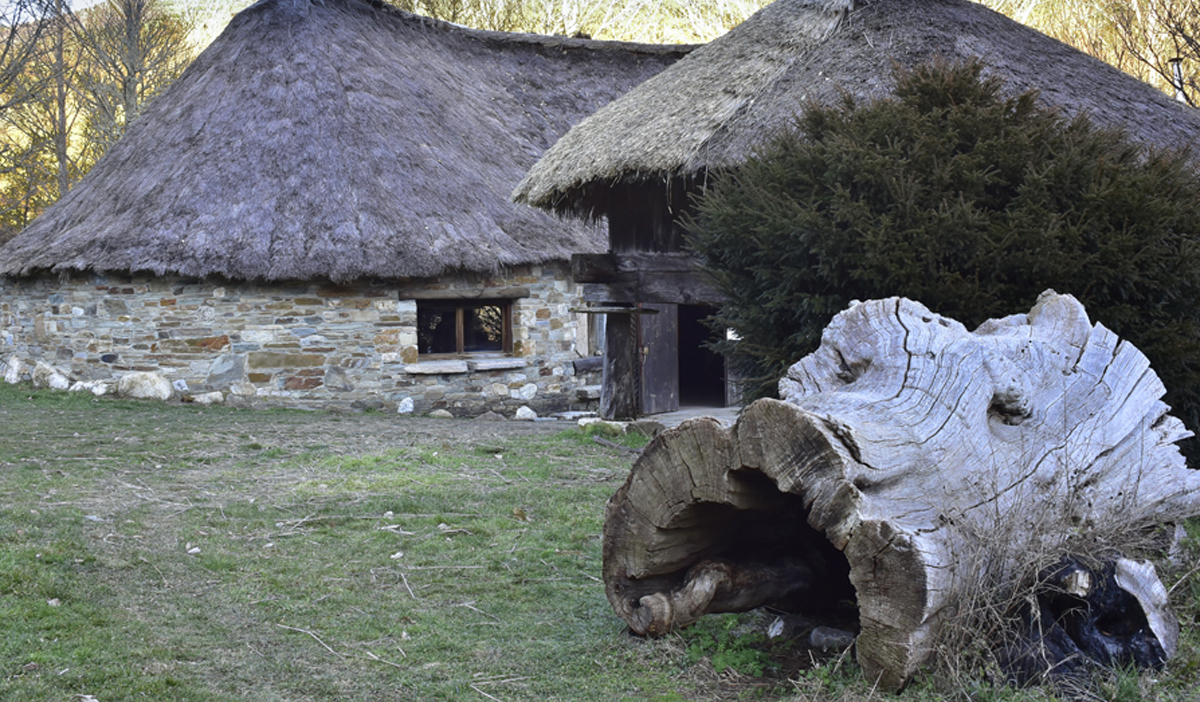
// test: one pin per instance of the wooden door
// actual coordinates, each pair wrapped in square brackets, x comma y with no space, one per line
[658,341]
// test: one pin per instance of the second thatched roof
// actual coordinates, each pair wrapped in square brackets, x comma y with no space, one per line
[711,109]
[338,140]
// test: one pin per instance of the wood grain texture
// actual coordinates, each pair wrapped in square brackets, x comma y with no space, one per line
[923,453]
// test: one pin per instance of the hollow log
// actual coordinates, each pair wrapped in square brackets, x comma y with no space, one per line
[907,457]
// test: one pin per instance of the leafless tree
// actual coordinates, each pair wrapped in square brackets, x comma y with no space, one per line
[1164,36]
[27,75]
[132,49]
[22,25]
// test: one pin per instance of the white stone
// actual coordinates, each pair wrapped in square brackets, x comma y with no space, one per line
[209,398]
[180,385]
[243,389]
[258,336]
[12,370]
[500,389]
[528,391]
[525,414]
[490,364]
[46,376]
[617,427]
[441,414]
[436,367]
[96,387]
[406,406]
[145,386]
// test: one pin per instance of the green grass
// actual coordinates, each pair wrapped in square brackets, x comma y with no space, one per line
[167,552]
[171,552]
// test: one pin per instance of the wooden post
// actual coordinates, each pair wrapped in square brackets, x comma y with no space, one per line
[619,384]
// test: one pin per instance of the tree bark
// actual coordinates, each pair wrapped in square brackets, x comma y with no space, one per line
[909,462]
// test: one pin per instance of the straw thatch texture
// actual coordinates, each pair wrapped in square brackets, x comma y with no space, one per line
[711,109]
[338,140]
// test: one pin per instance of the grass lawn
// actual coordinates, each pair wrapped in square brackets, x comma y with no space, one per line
[174,552]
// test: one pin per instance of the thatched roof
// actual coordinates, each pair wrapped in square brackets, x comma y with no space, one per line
[711,109]
[339,140]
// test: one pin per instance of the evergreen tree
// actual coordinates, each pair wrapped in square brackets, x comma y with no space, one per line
[973,203]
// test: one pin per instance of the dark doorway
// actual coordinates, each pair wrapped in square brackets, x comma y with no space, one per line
[701,371]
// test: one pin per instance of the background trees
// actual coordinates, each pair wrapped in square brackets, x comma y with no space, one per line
[666,21]
[1140,37]
[24,26]
[967,201]
[85,77]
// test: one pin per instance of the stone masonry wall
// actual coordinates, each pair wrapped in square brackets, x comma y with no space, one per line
[307,344]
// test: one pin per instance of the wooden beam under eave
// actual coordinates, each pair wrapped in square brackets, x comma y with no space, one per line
[679,288]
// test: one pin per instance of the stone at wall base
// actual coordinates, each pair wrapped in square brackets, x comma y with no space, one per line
[209,398]
[96,387]
[46,376]
[145,386]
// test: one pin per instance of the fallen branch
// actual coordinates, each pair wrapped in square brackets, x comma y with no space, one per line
[314,636]
[614,445]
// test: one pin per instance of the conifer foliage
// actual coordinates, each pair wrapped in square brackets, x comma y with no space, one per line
[970,201]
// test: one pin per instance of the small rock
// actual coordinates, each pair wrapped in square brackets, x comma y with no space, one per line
[525,414]
[405,406]
[145,386]
[828,638]
[441,414]
[46,376]
[490,417]
[209,398]
[528,391]
[12,370]
[96,387]
[603,426]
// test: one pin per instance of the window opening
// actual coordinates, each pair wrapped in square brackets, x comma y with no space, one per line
[451,327]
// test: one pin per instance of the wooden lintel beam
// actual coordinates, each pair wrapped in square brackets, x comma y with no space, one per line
[593,268]
[679,288]
[505,293]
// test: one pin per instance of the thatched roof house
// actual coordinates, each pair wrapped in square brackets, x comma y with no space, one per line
[318,212]
[638,160]
[712,108]
[343,140]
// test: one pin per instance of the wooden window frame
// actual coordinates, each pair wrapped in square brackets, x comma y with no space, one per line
[506,343]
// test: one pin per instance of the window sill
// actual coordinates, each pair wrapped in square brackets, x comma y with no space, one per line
[491,364]
[436,367]
[453,366]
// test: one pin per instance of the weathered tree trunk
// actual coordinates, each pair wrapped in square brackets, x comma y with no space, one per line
[908,457]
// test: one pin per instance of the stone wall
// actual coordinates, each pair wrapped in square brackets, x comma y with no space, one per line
[306,344]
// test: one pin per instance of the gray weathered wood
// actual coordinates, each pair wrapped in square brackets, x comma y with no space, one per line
[658,341]
[505,293]
[619,382]
[924,453]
